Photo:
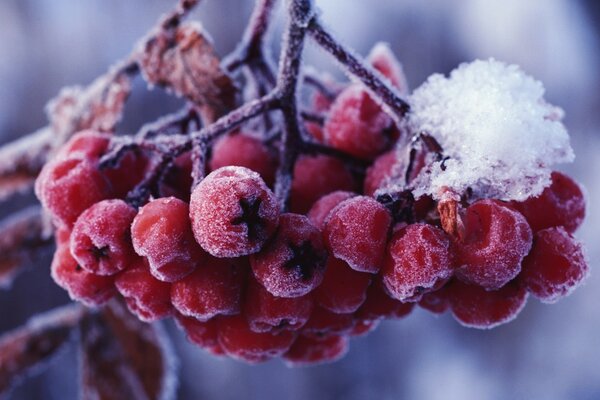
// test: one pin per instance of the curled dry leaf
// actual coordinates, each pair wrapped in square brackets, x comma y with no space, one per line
[28,347]
[183,60]
[22,239]
[124,358]
[448,208]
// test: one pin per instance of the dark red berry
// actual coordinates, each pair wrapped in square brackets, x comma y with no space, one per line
[364,327]
[380,305]
[382,169]
[293,263]
[436,302]
[322,208]
[202,334]
[307,351]
[323,323]
[555,266]
[343,289]
[233,212]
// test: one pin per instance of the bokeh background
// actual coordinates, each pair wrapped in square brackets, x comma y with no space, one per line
[549,352]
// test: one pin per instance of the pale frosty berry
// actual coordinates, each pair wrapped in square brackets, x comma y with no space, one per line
[292,264]
[233,212]
[555,266]
[418,257]
[383,60]
[343,289]
[357,232]
[308,351]
[321,209]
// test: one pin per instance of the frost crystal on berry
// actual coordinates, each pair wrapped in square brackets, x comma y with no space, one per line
[498,133]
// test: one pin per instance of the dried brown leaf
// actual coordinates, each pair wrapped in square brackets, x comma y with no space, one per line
[22,239]
[182,59]
[124,358]
[28,347]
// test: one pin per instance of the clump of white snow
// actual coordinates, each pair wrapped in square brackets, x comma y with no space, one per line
[493,123]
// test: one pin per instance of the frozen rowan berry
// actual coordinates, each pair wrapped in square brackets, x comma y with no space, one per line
[343,289]
[383,60]
[293,263]
[555,266]
[146,296]
[307,351]
[418,257]
[357,125]
[323,323]
[85,144]
[495,241]
[212,289]
[560,204]
[475,307]
[68,186]
[322,207]
[240,342]
[436,302]
[316,176]
[357,232]
[101,239]
[177,180]
[380,305]
[364,327]
[90,289]
[233,212]
[203,334]
[62,236]
[266,312]
[381,170]
[162,233]
[244,151]
[129,171]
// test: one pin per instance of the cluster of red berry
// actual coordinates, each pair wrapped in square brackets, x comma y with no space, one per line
[246,280]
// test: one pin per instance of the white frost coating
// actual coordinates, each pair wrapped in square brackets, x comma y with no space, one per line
[499,133]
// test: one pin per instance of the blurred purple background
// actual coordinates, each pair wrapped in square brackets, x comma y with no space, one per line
[549,352]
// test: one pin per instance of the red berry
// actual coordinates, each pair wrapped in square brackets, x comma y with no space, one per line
[307,351]
[380,305]
[233,212]
[101,239]
[213,289]
[357,231]
[322,207]
[177,181]
[162,233]
[380,171]
[244,151]
[240,342]
[130,171]
[343,289]
[90,289]
[555,266]
[496,240]
[68,186]
[418,258]
[475,307]
[560,204]
[266,312]
[383,60]
[146,296]
[316,176]
[293,263]
[436,302]
[323,323]
[357,125]
[85,144]
[202,334]
[364,327]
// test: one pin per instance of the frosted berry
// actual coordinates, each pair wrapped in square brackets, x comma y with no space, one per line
[380,171]
[85,144]
[383,60]
[418,257]
[101,239]
[380,305]
[213,289]
[357,231]
[497,238]
[323,323]
[322,207]
[233,212]
[560,204]
[293,263]
[316,176]
[244,151]
[555,266]
[436,302]
[357,125]
[266,312]
[307,351]
[90,289]
[343,289]
[202,334]
[146,296]
[240,342]
[364,327]
[475,307]
[68,186]
[162,233]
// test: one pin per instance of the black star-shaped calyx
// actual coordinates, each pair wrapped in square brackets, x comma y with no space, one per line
[305,258]
[100,252]
[250,217]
